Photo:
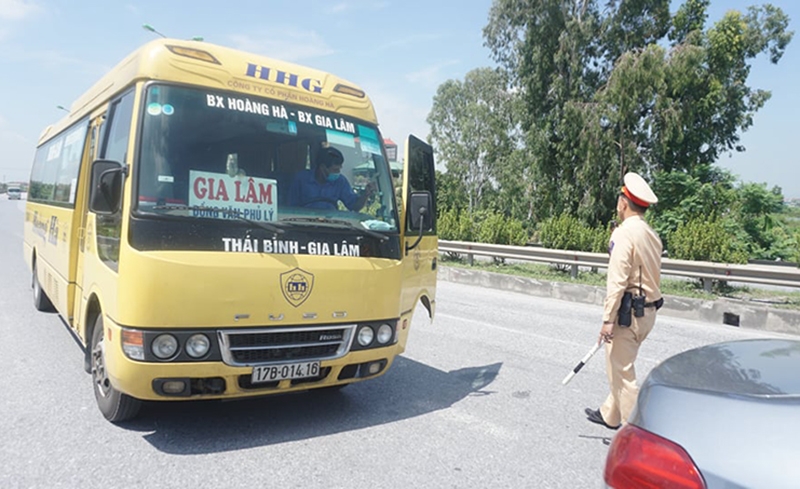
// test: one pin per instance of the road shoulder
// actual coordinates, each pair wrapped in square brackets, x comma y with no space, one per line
[719,311]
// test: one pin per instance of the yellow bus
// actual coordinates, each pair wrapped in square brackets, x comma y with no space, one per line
[214,224]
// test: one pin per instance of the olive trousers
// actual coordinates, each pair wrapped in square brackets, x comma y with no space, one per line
[621,352]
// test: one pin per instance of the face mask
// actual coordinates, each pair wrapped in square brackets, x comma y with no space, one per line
[332,177]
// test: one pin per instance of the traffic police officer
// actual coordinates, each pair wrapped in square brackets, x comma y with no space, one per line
[633,295]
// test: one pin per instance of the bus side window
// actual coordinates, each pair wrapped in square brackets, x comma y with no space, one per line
[114,146]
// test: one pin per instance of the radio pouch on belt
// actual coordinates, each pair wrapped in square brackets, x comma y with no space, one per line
[625,309]
[638,306]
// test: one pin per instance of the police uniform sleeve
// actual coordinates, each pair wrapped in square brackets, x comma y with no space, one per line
[619,267]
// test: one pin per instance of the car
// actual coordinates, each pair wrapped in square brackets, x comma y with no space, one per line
[722,415]
[14,193]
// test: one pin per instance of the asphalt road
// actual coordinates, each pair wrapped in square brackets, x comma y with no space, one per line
[475,402]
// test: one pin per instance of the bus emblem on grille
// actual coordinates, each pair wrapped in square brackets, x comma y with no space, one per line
[296,286]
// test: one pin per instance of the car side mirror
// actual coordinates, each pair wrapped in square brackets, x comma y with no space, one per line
[106,187]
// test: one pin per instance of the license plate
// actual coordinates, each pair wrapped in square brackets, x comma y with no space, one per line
[271,373]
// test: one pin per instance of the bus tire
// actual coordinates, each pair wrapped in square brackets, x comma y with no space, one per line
[114,405]
[40,300]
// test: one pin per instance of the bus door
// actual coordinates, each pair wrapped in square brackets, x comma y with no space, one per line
[420,246]
[111,135]
[80,217]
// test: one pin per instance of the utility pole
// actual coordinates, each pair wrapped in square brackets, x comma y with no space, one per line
[621,155]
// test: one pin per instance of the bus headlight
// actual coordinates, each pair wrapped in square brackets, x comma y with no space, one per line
[133,344]
[365,335]
[164,346]
[197,345]
[384,334]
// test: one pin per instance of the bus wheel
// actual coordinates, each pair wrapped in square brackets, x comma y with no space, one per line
[114,405]
[40,300]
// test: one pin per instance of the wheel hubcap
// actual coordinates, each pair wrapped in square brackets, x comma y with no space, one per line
[99,370]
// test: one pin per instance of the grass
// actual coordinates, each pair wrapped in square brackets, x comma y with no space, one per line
[681,288]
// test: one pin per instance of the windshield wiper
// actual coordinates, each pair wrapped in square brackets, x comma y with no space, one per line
[267,226]
[340,222]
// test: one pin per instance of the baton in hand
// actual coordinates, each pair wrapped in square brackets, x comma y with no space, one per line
[580,364]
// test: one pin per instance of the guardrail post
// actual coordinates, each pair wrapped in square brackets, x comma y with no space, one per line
[470,259]
[574,272]
[707,284]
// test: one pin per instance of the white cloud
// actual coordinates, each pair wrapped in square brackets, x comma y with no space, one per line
[431,75]
[408,41]
[17,9]
[7,134]
[378,5]
[132,9]
[340,7]
[398,116]
[55,60]
[286,43]
[17,153]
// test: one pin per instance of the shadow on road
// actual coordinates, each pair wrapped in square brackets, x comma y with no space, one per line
[408,389]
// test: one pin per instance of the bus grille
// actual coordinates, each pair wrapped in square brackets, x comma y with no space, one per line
[244,347]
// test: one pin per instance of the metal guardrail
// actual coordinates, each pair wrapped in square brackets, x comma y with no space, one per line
[777,275]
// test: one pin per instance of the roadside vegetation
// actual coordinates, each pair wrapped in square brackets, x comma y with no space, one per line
[675,287]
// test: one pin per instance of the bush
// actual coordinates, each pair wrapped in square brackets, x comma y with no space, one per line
[495,228]
[567,232]
[481,227]
[454,225]
[704,240]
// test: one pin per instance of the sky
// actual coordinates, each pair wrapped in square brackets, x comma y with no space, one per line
[398,51]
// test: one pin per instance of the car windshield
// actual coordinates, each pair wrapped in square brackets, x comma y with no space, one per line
[208,154]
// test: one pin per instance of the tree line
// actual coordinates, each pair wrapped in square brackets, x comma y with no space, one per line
[586,90]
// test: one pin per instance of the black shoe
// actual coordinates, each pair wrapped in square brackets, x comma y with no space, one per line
[595,417]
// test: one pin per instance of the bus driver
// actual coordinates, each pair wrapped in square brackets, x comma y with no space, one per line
[324,186]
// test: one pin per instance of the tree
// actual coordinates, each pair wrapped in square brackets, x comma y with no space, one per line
[472,124]
[706,240]
[621,85]
[450,193]
[756,208]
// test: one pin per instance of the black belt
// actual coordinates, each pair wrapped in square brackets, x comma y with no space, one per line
[657,304]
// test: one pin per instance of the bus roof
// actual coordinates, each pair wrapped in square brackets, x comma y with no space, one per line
[207,65]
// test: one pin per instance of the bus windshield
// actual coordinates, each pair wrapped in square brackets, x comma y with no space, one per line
[216,155]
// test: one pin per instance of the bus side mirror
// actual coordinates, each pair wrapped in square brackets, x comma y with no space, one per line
[419,214]
[106,187]
[419,211]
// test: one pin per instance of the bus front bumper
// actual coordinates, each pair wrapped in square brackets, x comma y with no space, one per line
[217,380]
